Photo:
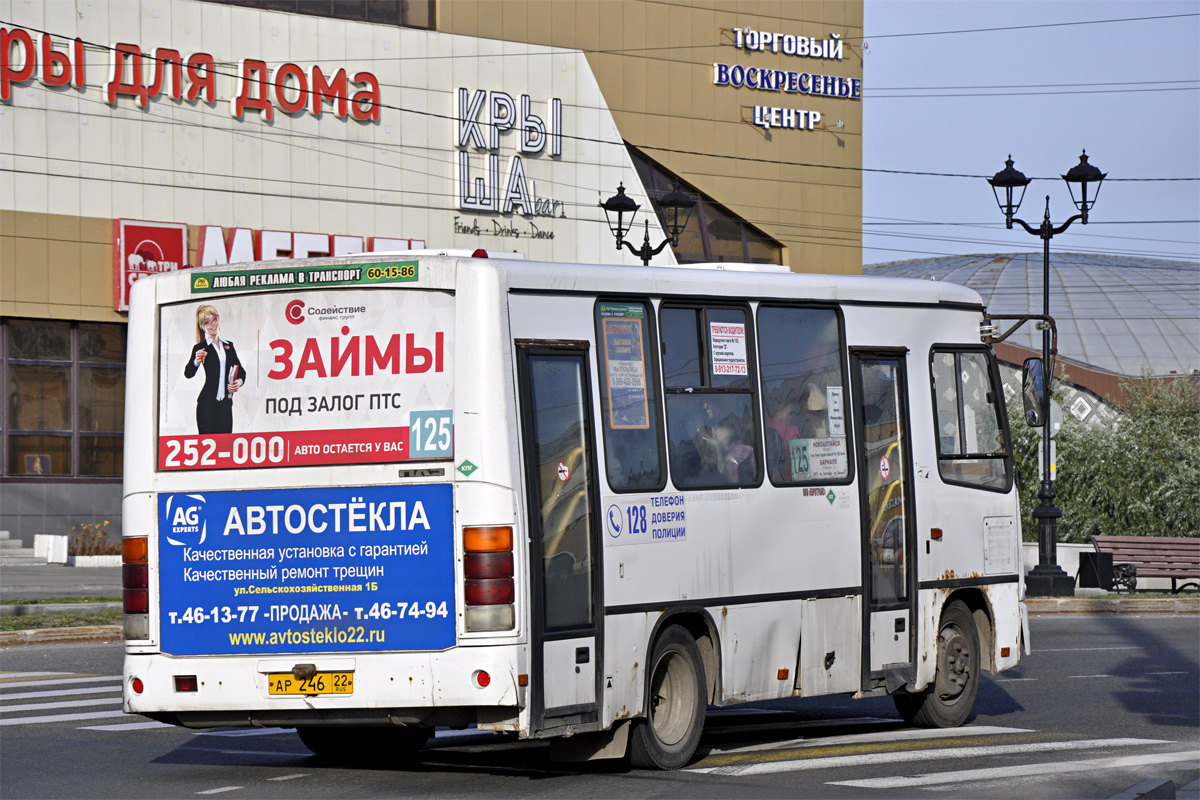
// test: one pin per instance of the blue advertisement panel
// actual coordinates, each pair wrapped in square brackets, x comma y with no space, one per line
[307,570]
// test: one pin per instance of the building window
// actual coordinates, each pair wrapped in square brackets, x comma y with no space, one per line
[711,410]
[65,382]
[405,13]
[714,233]
[970,417]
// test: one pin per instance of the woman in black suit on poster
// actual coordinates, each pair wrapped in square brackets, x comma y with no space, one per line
[223,373]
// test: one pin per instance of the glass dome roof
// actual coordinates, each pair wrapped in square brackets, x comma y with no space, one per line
[1120,314]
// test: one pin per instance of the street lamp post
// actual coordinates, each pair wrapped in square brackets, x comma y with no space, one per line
[674,204]
[1047,579]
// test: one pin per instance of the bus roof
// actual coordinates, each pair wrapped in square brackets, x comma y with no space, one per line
[719,280]
[766,281]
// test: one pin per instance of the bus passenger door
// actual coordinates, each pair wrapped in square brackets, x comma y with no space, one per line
[884,468]
[564,573]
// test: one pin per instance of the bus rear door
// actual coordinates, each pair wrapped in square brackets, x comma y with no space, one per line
[565,587]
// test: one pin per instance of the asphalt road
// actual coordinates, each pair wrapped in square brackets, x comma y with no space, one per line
[1104,703]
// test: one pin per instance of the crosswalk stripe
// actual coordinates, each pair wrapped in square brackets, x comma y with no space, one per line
[96,701]
[902,756]
[128,726]
[911,734]
[1011,771]
[62,681]
[60,718]
[61,693]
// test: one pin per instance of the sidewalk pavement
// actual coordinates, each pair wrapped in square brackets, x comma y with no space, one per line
[45,581]
[41,582]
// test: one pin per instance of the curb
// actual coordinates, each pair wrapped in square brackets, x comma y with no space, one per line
[1078,605]
[82,634]
[58,608]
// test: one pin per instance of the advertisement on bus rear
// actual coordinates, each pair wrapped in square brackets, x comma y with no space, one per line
[312,570]
[317,377]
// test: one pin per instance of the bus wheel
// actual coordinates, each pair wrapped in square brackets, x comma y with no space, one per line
[667,737]
[378,745]
[947,702]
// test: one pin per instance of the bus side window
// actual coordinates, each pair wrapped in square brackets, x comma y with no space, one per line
[800,352]
[969,414]
[711,410]
[631,416]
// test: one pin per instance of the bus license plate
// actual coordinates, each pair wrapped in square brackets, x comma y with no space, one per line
[320,683]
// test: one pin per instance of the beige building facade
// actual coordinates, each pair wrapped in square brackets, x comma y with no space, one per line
[148,136]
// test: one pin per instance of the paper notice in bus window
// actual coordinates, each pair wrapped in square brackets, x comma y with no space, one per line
[727,342]
[837,416]
[625,371]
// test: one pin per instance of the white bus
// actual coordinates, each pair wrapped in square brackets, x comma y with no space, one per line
[370,496]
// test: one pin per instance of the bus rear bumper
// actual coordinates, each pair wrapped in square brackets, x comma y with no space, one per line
[455,687]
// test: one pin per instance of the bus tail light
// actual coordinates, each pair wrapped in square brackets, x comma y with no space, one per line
[135,586]
[488,586]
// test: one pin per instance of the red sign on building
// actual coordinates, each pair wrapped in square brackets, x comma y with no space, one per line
[145,248]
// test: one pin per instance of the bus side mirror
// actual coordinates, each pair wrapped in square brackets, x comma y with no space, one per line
[1033,392]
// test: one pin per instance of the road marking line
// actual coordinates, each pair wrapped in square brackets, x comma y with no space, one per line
[1013,680]
[933,754]
[127,726]
[1084,677]
[12,676]
[101,701]
[916,734]
[62,693]
[1181,672]
[222,789]
[60,718]
[291,777]
[1021,770]
[96,679]
[251,732]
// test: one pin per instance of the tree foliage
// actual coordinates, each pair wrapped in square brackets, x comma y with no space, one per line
[1139,477]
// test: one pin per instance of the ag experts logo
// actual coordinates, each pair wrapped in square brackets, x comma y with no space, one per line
[295,312]
[185,521]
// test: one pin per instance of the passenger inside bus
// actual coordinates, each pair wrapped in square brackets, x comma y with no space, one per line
[814,418]
[781,431]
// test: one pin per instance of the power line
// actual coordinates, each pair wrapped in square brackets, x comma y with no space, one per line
[869,94]
[593,140]
[1031,27]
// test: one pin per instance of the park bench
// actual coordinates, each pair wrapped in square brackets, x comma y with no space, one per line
[1120,560]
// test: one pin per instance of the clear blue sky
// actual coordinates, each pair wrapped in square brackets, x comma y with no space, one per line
[913,122]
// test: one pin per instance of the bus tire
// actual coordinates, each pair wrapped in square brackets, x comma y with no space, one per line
[947,702]
[368,745]
[667,736]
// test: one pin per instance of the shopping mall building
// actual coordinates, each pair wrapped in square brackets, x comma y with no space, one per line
[142,137]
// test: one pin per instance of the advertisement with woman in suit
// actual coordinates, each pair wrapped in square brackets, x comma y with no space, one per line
[223,373]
